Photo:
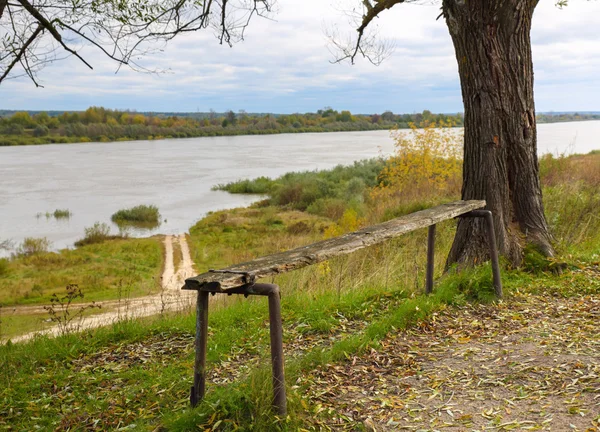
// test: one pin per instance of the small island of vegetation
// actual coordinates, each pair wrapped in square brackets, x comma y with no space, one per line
[139,215]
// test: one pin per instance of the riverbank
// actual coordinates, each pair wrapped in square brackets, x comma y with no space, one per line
[153,135]
[351,325]
[302,208]
[98,124]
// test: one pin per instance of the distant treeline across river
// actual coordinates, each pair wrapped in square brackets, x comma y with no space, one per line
[97,124]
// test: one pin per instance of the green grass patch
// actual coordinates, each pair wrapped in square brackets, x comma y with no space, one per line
[56,214]
[326,192]
[62,214]
[103,271]
[33,246]
[142,215]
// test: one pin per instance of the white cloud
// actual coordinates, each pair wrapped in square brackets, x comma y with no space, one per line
[284,65]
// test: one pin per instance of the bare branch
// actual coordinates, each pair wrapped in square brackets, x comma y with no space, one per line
[21,52]
[368,45]
[34,32]
[51,28]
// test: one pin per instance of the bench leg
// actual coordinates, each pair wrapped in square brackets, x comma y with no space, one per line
[276,331]
[430,259]
[489,220]
[489,223]
[199,387]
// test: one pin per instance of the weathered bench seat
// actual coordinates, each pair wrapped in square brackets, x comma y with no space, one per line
[321,251]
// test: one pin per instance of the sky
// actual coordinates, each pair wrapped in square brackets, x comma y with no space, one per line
[284,65]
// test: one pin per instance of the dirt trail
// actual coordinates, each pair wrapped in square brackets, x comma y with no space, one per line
[171,279]
[171,298]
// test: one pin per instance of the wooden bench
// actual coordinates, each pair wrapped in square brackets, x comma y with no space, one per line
[241,278]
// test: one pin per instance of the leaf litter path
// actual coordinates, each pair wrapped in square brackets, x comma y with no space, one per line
[530,363]
[170,298]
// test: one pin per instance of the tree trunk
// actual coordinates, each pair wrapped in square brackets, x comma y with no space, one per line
[493,48]
[3,4]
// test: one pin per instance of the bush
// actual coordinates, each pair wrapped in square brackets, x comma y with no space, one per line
[61,214]
[427,162]
[332,208]
[4,266]
[40,131]
[302,190]
[98,233]
[299,227]
[148,214]
[260,185]
[33,246]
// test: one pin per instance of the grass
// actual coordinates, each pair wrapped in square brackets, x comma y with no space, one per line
[101,270]
[161,385]
[57,214]
[62,214]
[237,235]
[12,324]
[324,193]
[33,246]
[98,233]
[137,374]
[138,215]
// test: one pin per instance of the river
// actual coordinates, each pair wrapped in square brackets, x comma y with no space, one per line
[93,180]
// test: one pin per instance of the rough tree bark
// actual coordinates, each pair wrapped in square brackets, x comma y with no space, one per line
[493,50]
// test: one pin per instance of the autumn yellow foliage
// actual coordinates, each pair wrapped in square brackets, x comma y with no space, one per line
[427,162]
[347,223]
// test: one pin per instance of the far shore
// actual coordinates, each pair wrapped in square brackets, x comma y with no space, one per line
[7,140]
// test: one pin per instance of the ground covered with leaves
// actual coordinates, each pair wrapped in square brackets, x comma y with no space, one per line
[531,362]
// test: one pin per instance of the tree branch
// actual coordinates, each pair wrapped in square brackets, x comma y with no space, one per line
[35,30]
[372,13]
[50,27]
[21,52]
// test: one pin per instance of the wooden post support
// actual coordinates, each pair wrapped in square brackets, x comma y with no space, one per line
[199,387]
[430,259]
[276,332]
[491,235]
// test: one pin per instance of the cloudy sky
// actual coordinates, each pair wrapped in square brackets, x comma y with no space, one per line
[284,65]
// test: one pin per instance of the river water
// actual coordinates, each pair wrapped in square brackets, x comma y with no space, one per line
[94,180]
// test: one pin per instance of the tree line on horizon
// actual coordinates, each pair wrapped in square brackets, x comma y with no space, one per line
[99,124]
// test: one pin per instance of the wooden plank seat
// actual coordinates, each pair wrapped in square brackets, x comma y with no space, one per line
[241,278]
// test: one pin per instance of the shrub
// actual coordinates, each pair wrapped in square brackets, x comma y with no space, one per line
[299,227]
[4,266]
[33,246]
[6,244]
[302,190]
[332,208]
[61,214]
[427,162]
[40,131]
[140,214]
[347,223]
[260,185]
[97,233]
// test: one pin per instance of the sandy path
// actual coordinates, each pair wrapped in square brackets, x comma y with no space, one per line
[167,277]
[171,298]
[172,280]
